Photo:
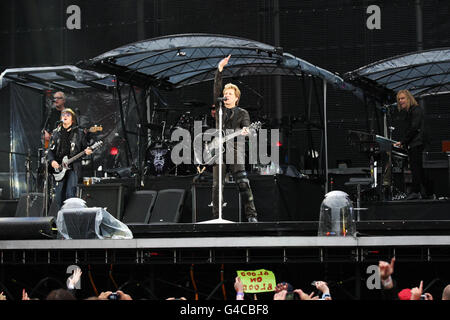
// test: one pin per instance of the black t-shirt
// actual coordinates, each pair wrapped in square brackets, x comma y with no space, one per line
[65,144]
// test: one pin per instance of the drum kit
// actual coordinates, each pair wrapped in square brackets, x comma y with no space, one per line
[158,160]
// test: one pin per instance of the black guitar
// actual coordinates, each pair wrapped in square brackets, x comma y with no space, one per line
[61,171]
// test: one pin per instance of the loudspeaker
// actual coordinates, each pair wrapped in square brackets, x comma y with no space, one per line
[80,224]
[437,172]
[27,228]
[168,206]
[202,198]
[438,181]
[285,198]
[35,205]
[109,196]
[139,206]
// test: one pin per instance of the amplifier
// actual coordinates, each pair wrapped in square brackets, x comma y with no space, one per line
[202,202]
[110,196]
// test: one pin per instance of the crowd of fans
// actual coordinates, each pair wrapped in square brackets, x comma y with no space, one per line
[283,290]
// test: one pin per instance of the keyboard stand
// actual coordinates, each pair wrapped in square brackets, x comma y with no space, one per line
[358,182]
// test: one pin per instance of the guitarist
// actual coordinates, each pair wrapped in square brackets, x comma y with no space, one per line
[233,118]
[67,140]
[54,116]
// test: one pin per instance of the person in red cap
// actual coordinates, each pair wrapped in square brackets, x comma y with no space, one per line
[414,294]
[405,294]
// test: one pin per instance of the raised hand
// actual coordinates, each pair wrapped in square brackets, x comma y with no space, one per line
[74,278]
[322,286]
[25,295]
[305,296]
[417,292]
[280,295]
[386,269]
[238,285]
[223,63]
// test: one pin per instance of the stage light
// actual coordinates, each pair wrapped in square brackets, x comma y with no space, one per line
[114,151]
[279,144]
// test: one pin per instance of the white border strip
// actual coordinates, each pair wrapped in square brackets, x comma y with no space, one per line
[226,242]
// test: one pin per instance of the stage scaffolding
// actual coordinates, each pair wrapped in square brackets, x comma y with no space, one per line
[217,250]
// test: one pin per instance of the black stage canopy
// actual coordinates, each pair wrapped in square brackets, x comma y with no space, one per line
[66,78]
[423,73]
[175,61]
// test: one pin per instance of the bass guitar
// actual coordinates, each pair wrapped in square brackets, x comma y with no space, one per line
[61,170]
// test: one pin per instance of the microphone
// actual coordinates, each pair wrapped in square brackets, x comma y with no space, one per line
[387,107]
[222,99]
[58,122]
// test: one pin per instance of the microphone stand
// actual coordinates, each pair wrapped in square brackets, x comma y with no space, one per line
[140,165]
[220,220]
[45,190]
[46,193]
[220,160]
[27,168]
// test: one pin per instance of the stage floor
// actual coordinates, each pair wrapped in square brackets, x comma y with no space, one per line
[228,242]
[412,230]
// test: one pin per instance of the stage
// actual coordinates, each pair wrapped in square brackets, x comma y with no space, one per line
[161,255]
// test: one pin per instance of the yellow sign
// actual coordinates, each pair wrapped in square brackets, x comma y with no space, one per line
[257,281]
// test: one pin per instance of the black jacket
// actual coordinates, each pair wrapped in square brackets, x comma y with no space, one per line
[415,134]
[78,143]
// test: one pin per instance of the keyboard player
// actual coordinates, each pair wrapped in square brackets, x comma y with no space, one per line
[414,141]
